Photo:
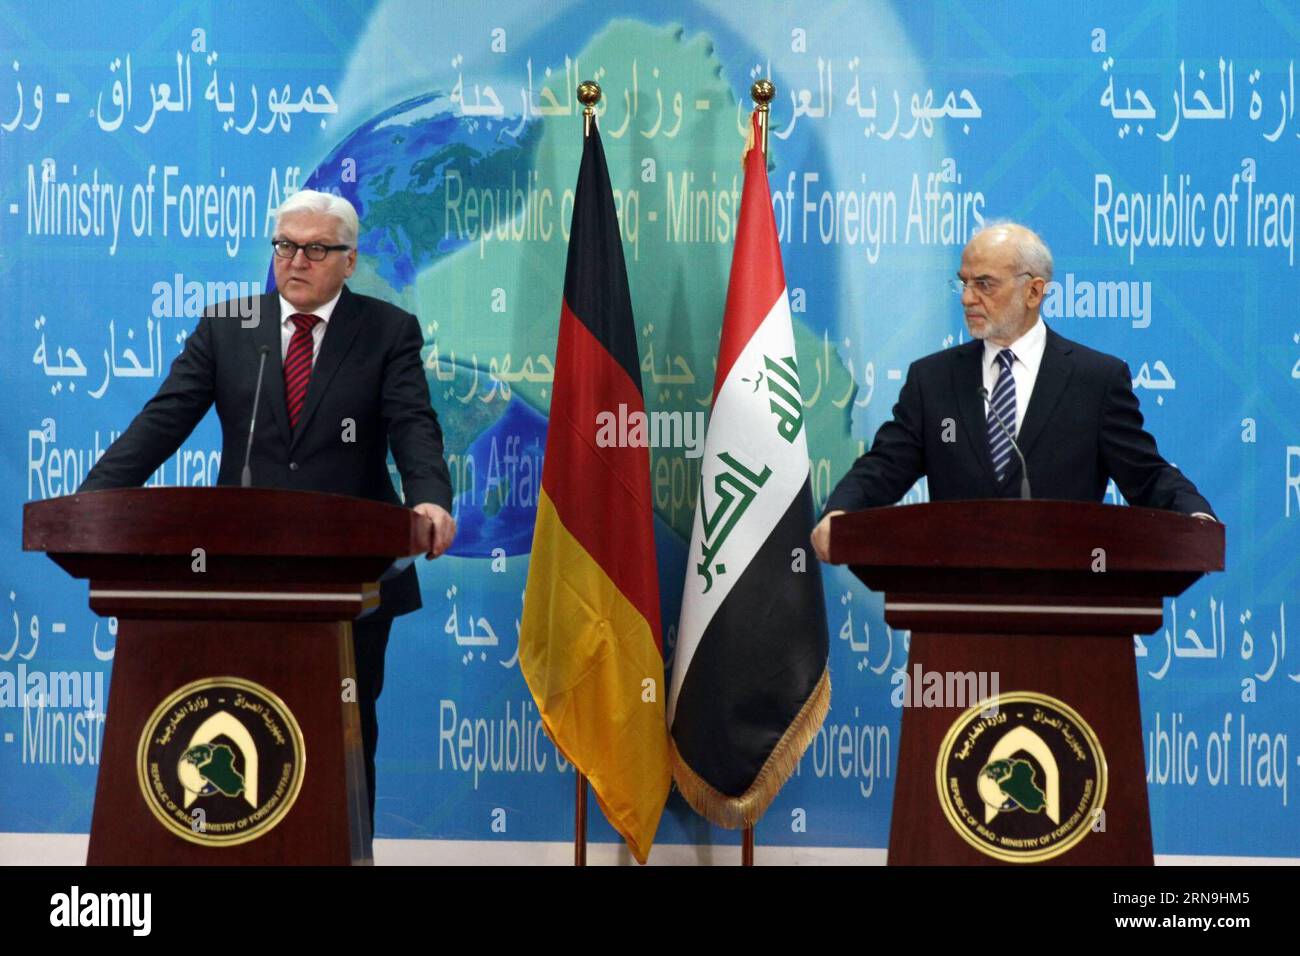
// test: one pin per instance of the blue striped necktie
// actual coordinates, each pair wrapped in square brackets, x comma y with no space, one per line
[1004,401]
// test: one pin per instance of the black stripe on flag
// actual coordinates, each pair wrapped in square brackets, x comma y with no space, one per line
[749,679]
[595,279]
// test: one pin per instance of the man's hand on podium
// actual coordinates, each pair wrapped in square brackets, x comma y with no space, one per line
[444,527]
[821,536]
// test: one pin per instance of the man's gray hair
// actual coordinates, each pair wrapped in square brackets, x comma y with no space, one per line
[309,200]
[1035,258]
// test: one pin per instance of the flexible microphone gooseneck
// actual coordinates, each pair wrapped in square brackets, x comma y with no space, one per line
[246,479]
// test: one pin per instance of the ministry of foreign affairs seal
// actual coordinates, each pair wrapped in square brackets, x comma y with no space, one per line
[221,761]
[1021,777]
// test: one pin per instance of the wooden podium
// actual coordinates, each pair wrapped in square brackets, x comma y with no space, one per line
[232,733]
[1044,596]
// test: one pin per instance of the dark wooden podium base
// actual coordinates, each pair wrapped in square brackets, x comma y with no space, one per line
[294,661]
[234,643]
[1095,675]
[1047,594]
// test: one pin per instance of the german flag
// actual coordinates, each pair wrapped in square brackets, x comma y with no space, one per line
[590,643]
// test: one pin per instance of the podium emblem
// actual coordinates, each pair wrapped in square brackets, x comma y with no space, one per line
[221,761]
[1021,777]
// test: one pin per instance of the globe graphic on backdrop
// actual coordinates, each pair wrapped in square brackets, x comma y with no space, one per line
[392,169]
[409,169]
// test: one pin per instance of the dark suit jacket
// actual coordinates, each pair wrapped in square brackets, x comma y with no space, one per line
[369,370]
[1082,427]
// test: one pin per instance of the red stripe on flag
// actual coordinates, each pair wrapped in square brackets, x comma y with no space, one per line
[602,495]
[757,278]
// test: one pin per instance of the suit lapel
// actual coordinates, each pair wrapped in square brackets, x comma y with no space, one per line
[1053,376]
[268,334]
[340,332]
[968,378]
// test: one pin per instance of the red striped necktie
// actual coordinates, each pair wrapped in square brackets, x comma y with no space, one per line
[297,365]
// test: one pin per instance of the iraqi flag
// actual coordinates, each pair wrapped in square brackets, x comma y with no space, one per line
[750,685]
[590,644]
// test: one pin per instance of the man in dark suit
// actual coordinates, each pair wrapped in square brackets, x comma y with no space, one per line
[343,382]
[1071,410]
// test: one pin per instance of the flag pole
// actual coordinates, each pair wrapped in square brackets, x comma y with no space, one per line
[762,93]
[580,822]
[588,96]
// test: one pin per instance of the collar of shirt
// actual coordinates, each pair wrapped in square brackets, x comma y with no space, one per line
[323,313]
[1028,350]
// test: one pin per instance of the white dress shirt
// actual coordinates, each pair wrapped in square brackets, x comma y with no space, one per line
[1028,350]
[287,328]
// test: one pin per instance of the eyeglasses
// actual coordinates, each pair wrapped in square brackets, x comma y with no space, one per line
[315,251]
[983,285]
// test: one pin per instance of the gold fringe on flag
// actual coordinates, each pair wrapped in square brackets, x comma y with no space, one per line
[735,813]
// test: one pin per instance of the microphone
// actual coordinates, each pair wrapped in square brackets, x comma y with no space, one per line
[246,479]
[1024,469]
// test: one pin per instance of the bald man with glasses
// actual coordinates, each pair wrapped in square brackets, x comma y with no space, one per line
[1070,410]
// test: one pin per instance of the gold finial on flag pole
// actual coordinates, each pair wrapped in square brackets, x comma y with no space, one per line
[763,92]
[588,96]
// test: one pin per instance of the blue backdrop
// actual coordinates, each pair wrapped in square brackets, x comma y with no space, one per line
[1154,146]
